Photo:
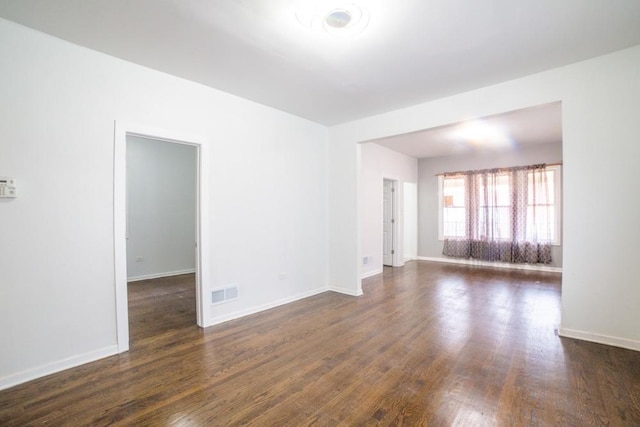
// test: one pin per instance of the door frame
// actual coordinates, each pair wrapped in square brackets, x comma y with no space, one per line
[395,256]
[202,249]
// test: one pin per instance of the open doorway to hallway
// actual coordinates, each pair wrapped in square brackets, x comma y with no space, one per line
[161,236]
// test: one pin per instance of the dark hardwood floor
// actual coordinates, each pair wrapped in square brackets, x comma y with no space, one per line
[160,305]
[427,344]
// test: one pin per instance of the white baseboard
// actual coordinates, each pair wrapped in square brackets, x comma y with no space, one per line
[492,264]
[600,339]
[57,366]
[371,273]
[159,275]
[346,291]
[252,310]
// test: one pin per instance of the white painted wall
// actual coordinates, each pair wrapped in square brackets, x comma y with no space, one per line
[410,195]
[428,244]
[161,208]
[268,196]
[601,238]
[378,163]
[343,208]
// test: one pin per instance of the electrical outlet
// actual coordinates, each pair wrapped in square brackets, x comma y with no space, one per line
[139,258]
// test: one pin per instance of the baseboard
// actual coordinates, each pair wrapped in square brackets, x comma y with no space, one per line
[53,367]
[159,275]
[600,339]
[346,291]
[493,264]
[253,310]
[371,273]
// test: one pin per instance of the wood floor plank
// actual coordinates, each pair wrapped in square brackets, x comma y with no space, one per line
[427,344]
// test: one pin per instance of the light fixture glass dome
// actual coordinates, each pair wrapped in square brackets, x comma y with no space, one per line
[338,17]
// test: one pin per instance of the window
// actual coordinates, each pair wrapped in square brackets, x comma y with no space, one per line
[453,211]
[494,208]
[542,221]
[501,206]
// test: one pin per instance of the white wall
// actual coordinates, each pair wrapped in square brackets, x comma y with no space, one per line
[343,209]
[378,163]
[601,238]
[428,244]
[410,195]
[161,208]
[268,196]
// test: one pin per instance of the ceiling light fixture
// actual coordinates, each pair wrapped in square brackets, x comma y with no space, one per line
[480,133]
[340,18]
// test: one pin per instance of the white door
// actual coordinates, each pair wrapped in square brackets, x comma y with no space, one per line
[387,222]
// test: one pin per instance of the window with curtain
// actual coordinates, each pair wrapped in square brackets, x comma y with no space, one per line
[506,215]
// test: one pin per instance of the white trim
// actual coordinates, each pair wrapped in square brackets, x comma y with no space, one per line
[395,226]
[122,129]
[492,264]
[203,238]
[600,339]
[119,235]
[346,291]
[253,310]
[57,366]
[371,273]
[159,275]
[440,207]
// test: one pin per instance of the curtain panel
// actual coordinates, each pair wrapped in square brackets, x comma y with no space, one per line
[508,215]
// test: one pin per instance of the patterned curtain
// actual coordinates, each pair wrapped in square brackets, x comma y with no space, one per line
[508,215]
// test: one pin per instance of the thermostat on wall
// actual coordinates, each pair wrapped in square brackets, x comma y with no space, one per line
[8,187]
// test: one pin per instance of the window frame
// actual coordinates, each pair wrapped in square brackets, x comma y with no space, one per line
[557,183]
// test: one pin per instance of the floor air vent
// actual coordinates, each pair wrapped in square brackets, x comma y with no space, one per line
[224,294]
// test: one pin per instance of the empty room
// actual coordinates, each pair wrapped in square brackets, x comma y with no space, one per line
[330,213]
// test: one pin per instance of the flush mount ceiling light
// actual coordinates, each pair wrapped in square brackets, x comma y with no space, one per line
[334,17]
[479,133]
[338,19]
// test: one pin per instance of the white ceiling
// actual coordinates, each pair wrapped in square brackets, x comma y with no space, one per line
[412,51]
[535,125]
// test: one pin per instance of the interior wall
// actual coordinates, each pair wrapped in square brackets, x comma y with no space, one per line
[345,227]
[161,208]
[410,221]
[378,163]
[601,242]
[429,245]
[268,196]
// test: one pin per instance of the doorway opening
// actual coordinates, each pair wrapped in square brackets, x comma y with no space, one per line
[129,256]
[161,235]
